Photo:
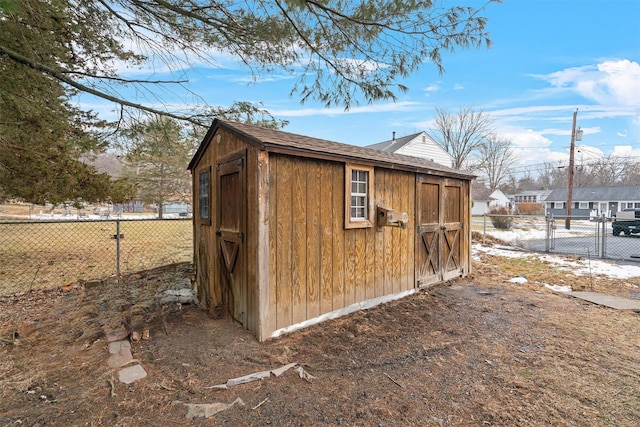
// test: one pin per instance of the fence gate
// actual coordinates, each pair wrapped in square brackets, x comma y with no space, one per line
[585,237]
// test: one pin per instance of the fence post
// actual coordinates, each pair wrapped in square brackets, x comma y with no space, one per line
[603,237]
[550,227]
[484,228]
[598,238]
[118,247]
[547,236]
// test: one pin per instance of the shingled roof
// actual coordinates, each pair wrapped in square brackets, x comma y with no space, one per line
[289,143]
[597,194]
[395,144]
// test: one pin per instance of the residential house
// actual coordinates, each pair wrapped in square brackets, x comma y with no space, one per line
[529,196]
[485,200]
[417,145]
[590,202]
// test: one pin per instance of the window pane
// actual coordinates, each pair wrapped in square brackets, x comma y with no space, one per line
[358,195]
[203,195]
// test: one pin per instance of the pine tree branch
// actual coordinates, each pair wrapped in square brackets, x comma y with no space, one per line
[61,75]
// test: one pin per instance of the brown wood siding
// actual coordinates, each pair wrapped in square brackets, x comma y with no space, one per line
[314,251]
[299,261]
[326,242]
[206,252]
[316,266]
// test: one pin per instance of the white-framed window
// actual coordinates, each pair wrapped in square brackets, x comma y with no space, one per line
[358,196]
[636,205]
[583,205]
[558,205]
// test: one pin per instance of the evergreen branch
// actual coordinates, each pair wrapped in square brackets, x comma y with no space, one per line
[61,75]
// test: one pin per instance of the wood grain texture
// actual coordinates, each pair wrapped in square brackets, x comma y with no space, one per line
[299,242]
[326,242]
[284,235]
[314,257]
[338,235]
[273,240]
[262,277]
[379,245]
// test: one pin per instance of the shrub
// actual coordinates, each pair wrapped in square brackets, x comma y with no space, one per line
[500,219]
[530,208]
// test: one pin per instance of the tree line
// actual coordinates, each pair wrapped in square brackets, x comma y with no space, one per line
[470,137]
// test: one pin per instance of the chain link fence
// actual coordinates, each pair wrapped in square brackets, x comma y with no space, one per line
[584,236]
[50,254]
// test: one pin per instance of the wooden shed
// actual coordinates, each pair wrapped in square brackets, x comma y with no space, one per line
[290,230]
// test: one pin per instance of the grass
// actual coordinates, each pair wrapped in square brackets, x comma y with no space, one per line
[44,255]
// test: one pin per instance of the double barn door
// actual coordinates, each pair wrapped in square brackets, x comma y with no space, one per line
[440,215]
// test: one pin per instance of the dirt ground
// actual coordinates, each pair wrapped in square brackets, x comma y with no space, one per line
[476,351]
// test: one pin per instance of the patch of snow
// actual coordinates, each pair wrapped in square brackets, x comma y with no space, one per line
[519,280]
[579,267]
[558,288]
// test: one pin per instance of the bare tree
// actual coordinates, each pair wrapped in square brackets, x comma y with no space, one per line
[461,133]
[495,158]
[631,174]
[551,175]
[608,170]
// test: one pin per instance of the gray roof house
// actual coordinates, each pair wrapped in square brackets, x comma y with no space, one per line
[417,145]
[593,201]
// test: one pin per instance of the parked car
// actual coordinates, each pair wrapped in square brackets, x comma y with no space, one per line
[626,222]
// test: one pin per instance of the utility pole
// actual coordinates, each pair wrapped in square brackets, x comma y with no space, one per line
[567,221]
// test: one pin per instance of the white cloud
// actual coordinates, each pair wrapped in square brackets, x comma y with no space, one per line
[433,87]
[377,108]
[251,79]
[608,83]
[626,151]
[533,148]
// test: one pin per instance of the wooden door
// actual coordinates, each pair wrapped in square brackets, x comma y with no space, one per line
[230,233]
[452,229]
[428,206]
[439,219]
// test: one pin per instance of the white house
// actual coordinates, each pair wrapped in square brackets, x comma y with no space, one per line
[416,145]
[530,196]
[485,199]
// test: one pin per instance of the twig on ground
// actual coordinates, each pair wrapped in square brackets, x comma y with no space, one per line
[260,404]
[394,381]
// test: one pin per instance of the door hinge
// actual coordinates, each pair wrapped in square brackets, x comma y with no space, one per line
[241,237]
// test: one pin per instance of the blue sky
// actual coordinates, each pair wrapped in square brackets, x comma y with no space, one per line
[548,58]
